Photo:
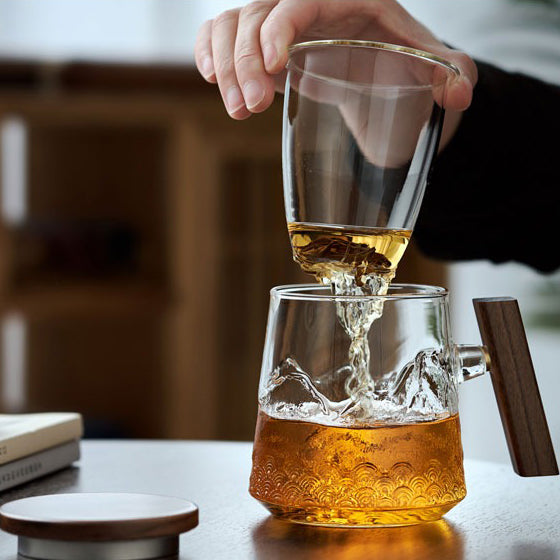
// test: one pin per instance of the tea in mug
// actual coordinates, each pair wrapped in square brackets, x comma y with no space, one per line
[398,474]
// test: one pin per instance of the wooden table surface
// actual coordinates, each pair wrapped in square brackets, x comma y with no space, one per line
[503,517]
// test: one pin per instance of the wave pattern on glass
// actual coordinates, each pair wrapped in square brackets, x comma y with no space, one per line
[358,476]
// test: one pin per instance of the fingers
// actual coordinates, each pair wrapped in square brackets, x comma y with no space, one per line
[224,31]
[228,52]
[203,52]
[285,22]
[244,50]
[257,86]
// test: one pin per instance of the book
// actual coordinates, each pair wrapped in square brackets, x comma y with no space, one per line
[25,434]
[38,464]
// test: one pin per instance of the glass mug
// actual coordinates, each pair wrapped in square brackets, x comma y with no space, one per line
[322,457]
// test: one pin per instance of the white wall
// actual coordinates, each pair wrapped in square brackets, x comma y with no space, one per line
[107,29]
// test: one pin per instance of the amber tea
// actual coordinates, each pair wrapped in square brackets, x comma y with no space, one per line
[327,251]
[359,476]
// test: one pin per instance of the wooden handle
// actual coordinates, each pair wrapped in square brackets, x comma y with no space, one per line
[515,386]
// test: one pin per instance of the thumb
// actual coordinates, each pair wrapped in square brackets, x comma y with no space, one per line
[460,89]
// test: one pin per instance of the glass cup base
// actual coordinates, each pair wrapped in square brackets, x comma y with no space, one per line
[358,518]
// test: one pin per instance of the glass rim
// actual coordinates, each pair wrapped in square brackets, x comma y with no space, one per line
[409,291]
[425,56]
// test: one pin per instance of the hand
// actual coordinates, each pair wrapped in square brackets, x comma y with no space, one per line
[244,49]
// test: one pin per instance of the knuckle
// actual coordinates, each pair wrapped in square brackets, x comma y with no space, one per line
[245,56]
[376,10]
[255,8]
[224,65]
[225,18]
[272,21]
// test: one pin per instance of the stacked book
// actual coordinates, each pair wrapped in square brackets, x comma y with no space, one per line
[33,445]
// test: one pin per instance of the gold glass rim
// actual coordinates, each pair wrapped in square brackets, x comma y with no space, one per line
[390,47]
[397,291]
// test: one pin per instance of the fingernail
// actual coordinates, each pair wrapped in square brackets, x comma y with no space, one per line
[253,93]
[234,99]
[270,56]
[207,67]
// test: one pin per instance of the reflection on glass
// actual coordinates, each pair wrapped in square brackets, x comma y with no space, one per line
[438,541]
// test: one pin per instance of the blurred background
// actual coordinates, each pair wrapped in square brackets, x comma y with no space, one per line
[141,228]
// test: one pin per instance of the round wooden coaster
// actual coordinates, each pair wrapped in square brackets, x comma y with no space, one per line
[100,526]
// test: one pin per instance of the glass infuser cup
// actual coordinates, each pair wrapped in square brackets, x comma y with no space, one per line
[362,121]
[323,457]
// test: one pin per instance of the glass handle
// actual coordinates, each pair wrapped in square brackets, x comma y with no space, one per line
[515,386]
[470,361]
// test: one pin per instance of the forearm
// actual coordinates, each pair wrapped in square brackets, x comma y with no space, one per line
[494,190]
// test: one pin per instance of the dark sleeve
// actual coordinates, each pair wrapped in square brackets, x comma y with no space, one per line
[494,190]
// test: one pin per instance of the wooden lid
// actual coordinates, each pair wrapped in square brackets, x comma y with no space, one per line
[98,516]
